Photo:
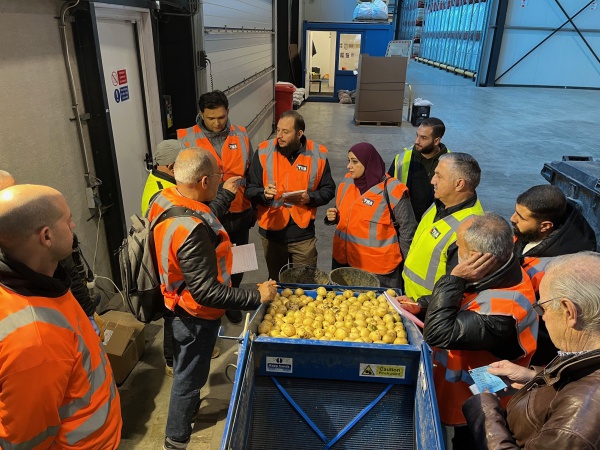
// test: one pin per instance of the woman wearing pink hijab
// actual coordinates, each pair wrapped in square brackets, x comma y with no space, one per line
[374,230]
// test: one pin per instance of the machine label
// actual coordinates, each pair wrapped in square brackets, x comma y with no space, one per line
[381,370]
[280,365]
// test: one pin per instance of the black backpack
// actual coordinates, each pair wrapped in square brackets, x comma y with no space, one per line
[137,261]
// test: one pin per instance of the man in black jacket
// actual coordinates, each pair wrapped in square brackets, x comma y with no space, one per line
[479,313]
[547,225]
[195,279]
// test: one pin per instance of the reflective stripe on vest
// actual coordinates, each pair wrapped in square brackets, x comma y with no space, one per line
[451,372]
[427,257]
[150,190]
[365,237]
[97,378]
[233,158]
[304,174]
[402,165]
[536,268]
[178,229]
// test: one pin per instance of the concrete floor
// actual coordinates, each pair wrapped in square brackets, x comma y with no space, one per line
[511,131]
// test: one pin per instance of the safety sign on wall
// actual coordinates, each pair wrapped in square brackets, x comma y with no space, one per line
[119,81]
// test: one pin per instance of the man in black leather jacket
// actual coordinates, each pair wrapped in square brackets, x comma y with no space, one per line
[479,313]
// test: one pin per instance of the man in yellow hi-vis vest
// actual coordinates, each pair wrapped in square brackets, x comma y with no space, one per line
[415,165]
[433,251]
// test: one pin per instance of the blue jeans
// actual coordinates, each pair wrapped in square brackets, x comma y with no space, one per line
[193,343]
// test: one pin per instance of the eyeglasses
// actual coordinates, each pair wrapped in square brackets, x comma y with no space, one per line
[538,309]
[220,175]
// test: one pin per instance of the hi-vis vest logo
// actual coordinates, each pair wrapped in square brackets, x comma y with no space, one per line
[302,168]
[232,146]
[435,233]
[368,201]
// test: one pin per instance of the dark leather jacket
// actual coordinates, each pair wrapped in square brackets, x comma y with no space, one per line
[556,410]
[447,327]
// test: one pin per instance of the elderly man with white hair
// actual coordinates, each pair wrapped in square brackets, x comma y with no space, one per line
[558,407]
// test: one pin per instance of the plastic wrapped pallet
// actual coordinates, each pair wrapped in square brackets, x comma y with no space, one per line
[374,10]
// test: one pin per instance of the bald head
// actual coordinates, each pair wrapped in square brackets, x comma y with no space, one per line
[193,164]
[25,209]
[6,180]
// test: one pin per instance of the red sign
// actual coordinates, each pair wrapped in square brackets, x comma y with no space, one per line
[122,75]
[114,78]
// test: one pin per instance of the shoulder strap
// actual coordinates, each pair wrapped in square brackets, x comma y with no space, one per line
[182,211]
[387,201]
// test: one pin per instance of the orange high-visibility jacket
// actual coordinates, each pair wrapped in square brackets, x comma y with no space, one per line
[304,174]
[451,371]
[56,385]
[365,236]
[233,159]
[169,235]
[536,268]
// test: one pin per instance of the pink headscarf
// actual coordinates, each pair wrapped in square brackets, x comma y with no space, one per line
[374,166]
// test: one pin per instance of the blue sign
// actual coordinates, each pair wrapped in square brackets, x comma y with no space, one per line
[124,93]
[117,95]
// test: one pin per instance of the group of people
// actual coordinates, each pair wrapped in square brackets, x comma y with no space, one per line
[479,283]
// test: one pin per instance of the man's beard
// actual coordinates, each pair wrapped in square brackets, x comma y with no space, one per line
[290,148]
[427,150]
[527,236]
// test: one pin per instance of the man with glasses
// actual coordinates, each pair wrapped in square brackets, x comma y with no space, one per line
[231,147]
[557,407]
[194,259]
[479,313]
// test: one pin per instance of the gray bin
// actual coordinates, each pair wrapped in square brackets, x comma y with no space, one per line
[579,178]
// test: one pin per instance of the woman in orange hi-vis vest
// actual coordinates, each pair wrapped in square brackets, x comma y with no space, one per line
[374,217]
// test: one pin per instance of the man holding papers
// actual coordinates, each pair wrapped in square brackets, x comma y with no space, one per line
[288,179]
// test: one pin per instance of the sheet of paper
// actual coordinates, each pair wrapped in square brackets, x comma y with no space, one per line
[244,258]
[396,305]
[485,380]
[288,194]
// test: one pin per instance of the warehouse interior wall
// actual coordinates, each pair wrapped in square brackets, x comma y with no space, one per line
[38,141]
[329,10]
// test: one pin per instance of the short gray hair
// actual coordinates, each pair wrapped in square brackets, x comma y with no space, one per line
[191,165]
[577,277]
[492,234]
[465,167]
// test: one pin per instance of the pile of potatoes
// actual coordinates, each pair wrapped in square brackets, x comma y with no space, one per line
[330,316]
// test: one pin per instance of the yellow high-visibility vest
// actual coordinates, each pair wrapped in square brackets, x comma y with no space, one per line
[428,254]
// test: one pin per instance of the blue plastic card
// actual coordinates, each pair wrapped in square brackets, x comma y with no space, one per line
[485,380]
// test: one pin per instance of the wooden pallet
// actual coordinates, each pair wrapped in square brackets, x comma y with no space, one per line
[380,123]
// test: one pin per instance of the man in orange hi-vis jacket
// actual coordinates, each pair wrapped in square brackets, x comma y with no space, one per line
[57,388]
[288,179]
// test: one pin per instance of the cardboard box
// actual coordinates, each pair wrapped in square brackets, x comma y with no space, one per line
[382,69]
[124,342]
[374,105]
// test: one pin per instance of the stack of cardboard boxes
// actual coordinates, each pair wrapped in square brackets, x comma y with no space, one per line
[380,89]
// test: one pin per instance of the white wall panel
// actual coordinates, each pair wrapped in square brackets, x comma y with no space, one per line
[242,62]
[564,59]
[235,56]
[38,141]
[252,14]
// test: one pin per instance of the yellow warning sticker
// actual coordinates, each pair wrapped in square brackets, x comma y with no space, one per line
[382,370]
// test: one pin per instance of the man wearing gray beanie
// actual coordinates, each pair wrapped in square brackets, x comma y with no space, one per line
[161,176]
